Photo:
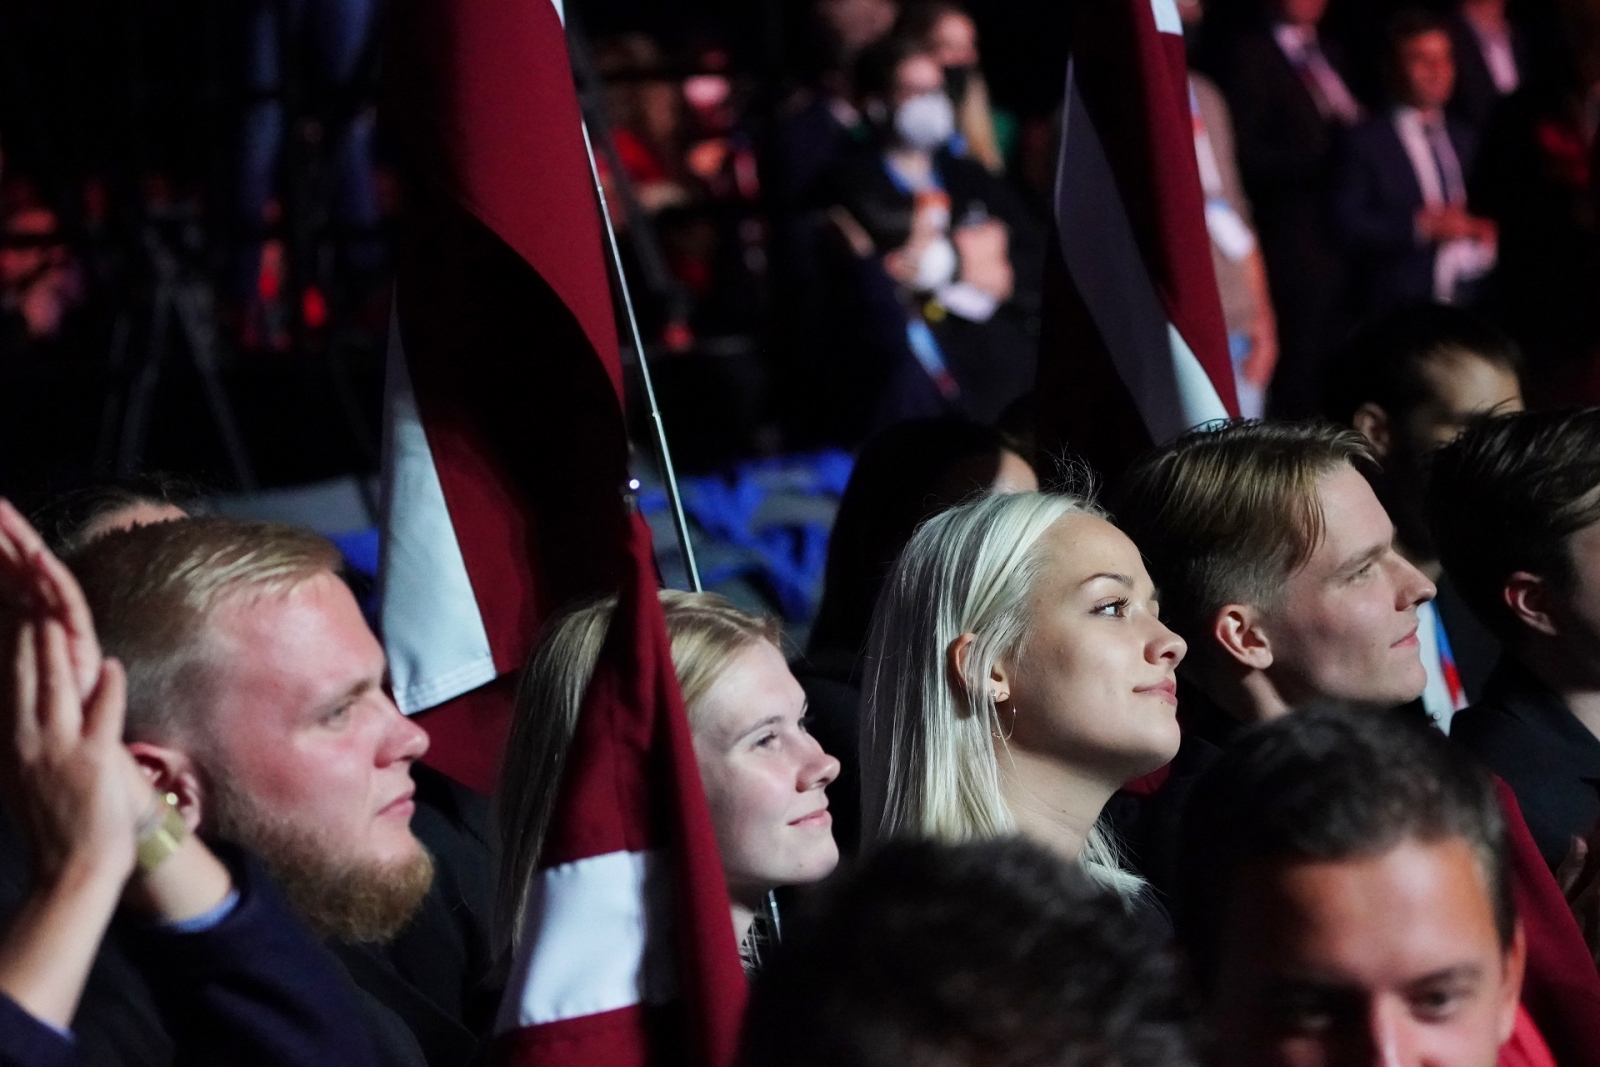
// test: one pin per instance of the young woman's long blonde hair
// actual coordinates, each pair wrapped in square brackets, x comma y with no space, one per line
[928,762]
[706,632]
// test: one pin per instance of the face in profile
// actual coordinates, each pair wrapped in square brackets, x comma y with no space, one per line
[764,776]
[1392,959]
[1095,681]
[1345,626]
[304,748]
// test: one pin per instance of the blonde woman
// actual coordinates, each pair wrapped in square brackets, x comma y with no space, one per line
[764,774]
[1017,675]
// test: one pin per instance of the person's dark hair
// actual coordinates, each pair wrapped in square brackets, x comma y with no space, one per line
[1329,783]
[1226,514]
[918,19]
[66,517]
[903,477]
[1506,495]
[993,953]
[876,67]
[1408,24]
[1383,363]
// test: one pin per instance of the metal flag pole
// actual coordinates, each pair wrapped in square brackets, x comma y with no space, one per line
[680,521]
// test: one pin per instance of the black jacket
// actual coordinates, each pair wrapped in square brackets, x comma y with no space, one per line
[1525,733]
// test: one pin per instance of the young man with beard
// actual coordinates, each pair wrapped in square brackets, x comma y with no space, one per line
[1410,383]
[255,698]
[1348,901]
[1278,566]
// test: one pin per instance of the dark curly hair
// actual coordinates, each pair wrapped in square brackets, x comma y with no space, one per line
[993,953]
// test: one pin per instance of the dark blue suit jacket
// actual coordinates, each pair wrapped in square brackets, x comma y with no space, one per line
[1375,203]
[256,989]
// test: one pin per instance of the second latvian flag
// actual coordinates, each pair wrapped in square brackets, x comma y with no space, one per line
[1133,348]
[505,500]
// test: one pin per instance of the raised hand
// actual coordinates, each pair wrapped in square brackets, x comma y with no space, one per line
[34,584]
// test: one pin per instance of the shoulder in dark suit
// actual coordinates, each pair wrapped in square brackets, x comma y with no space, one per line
[1524,733]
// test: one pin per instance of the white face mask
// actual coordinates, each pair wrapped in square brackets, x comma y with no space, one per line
[925,121]
[937,265]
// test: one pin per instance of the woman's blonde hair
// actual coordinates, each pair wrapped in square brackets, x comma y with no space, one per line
[706,632]
[928,761]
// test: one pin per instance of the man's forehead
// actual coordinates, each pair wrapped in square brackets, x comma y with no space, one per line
[308,635]
[1353,519]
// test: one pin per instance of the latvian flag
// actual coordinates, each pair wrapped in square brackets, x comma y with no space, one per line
[506,480]
[1133,349]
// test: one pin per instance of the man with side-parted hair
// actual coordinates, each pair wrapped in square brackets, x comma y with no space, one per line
[1348,899]
[1278,565]
[1515,504]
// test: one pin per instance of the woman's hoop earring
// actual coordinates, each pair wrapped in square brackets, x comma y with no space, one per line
[1007,736]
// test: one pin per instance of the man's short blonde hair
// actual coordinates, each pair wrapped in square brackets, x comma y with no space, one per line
[152,590]
[1226,515]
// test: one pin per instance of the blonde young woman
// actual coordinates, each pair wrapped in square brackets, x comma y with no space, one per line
[1017,675]
[764,774]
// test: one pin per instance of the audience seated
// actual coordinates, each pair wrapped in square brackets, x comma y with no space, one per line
[1514,509]
[255,699]
[233,975]
[763,773]
[903,477]
[1290,103]
[1016,677]
[1401,198]
[987,953]
[1278,564]
[1409,383]
[965,258]
[1348,900]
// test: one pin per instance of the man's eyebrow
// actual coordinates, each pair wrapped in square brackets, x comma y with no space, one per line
[350,692]
[1356,562]
[1459,973]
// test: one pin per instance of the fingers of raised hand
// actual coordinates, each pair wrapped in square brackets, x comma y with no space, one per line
[60,703]
[105,710]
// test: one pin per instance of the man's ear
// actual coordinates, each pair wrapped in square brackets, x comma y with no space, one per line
[1237,629]
[1372,422]
[999,674]
[171,770]
[1528,597]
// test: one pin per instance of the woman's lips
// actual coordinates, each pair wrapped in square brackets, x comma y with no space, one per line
[820,817]
[1167,690]
[1408,641]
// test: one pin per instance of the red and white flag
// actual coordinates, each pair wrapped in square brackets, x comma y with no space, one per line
[505,479]
[1133,350]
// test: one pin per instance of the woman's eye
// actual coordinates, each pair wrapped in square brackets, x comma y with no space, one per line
[766,740]
[1112,609]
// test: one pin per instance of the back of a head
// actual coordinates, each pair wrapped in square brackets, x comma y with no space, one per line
[1506,495]
[1227,514]
[705,631]
[70,519]
[152,590]
[992,953]
[1329,783]
[906,474]
[1383,364]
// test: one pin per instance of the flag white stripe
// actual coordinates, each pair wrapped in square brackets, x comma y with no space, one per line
[595,938]
[1167,20]
[432,629]
[1159,369]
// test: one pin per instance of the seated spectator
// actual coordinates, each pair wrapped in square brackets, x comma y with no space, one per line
[989,953]
[964,257]
[1401,199]
[1514,510]
[1287,86]
[1235,252]
[1349,900]
[234,975]
[764,774]
[1491,54]
[1016,677]
[1410,383]
[949,33]
[255,699]
[1278,564]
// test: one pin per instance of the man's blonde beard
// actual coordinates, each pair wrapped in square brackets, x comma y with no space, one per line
[339,898]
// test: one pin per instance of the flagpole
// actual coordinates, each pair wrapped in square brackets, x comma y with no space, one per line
[680,522]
